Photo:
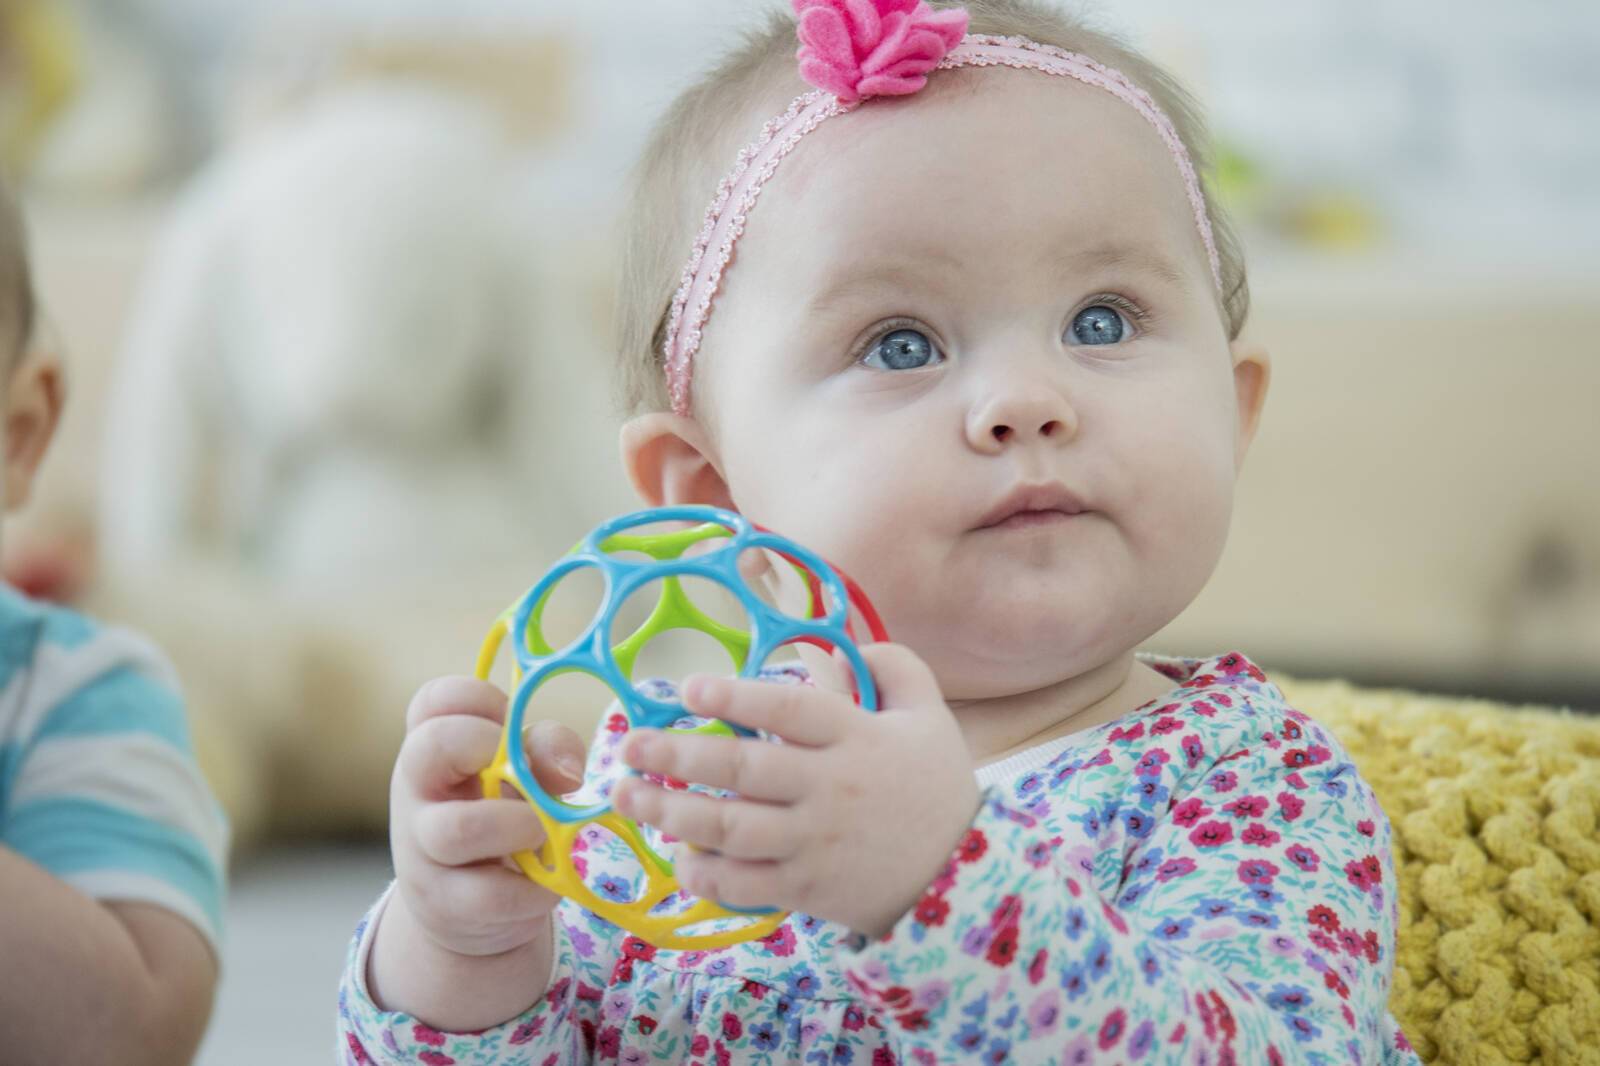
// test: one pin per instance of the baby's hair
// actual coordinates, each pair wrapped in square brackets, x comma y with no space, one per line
[695,142]
[16,283]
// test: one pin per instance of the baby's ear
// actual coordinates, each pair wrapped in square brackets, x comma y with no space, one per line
[32,410]
[671,460]
[1252,373]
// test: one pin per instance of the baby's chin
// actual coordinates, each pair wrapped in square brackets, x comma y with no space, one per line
[981,653]
[1008,602]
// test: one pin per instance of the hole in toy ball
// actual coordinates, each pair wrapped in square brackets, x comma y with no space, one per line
[860,625]
[607,865]
[677,653]
[570,606]
[576,700]
[815,663]
[670,629]
[782,585]
[632,614]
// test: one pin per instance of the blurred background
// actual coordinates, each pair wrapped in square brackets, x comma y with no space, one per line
[333,280]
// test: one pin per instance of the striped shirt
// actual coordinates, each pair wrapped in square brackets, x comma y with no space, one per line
[98,782]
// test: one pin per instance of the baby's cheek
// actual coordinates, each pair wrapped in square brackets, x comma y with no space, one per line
[1174,475]
[1190,528]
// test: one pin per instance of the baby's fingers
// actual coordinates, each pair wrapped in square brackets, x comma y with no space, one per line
[738,828]
[460,832]
[456,696]
[442,755]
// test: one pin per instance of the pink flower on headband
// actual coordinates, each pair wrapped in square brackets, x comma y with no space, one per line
[860,48]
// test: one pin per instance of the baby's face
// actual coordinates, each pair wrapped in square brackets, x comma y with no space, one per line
[995,284]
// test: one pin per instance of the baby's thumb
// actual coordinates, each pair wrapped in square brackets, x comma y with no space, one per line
[904,681]
[556,755]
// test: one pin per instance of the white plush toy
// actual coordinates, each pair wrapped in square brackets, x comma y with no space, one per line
[348,427]
[332,374]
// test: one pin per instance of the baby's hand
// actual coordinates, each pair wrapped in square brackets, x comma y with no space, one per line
[449,841]
[848,820]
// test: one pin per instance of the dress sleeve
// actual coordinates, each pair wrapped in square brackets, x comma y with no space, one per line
[1237,905]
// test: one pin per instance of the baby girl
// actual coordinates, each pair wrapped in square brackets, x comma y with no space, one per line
[964,320]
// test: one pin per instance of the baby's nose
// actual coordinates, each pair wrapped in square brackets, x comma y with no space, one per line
[1048,428]
[1036,413]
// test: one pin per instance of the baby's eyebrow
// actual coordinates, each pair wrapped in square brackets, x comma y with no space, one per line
[1115,255]
[880,275]
[1059,261]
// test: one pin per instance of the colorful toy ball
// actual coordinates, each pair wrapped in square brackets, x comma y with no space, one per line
[628,560]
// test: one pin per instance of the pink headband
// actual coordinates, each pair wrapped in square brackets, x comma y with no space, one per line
[851,50]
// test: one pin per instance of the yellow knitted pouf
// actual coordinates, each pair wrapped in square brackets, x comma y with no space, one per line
[1496,812]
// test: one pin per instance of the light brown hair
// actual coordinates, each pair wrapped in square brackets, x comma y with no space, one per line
[696,140]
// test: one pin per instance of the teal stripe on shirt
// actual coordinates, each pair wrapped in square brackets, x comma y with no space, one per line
[121,700]
[66,628]
[11,756]
[19,636]
[25,623]
[68,835]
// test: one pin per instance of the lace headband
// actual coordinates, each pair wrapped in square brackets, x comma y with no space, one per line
[852,50]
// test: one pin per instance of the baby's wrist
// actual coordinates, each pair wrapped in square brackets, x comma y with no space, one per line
[410,971]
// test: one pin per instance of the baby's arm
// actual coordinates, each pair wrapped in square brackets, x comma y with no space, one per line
[91,982]
[1255,915]
[111,853]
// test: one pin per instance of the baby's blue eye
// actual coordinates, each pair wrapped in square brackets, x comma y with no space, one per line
[1099,324]
[904,349]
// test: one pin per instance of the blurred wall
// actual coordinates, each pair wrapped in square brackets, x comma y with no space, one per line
[1414,182]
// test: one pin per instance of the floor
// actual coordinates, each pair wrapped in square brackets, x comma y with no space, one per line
[290,915]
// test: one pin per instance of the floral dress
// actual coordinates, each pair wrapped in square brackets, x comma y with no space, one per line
[1204,880]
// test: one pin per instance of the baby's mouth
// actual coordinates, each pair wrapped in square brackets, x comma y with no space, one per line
[1034,519]
[1030,506]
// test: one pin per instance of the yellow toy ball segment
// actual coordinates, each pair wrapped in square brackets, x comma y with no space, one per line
[661,914]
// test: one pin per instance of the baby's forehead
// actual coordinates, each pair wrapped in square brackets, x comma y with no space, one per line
[992,157]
